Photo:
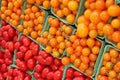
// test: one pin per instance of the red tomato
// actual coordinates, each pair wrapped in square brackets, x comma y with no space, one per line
[6,37]
[7,54]
[49,60]
[50,76]
[2,43]
[17,45]
[31,64]
[11,32]
[39,68]
[41,60]
[28,55]
[69,73]
[78,74]
[26,41]
[10,72]
[58,75]
[44,54]
[10,46]
[20,55]
[57,62]
[36,75]
[23,49]
[79,78]
[45,72]
[3,68]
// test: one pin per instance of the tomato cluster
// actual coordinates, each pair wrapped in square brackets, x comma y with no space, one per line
[48,68]
[55,38]
[83,53]
[11,11]
[32,21]
[17,74]
[110,67]
[95,19]
[72,74]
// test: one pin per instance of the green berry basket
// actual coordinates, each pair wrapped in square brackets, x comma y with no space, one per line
[46,28]
[79,12]
[107,48]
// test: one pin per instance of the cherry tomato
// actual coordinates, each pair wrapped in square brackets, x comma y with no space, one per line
[26,41]
[69,73]
[17,45]
[58,75]
[45,72]
[50,76]
[31,64]
[49,60]
[44,54]
[39,68]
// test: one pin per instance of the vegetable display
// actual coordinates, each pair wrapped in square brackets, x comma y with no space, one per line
[59,39]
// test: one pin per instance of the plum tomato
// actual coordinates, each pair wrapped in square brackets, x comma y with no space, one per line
[50,76]
[49,60]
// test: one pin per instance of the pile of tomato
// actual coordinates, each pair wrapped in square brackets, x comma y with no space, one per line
[39,38]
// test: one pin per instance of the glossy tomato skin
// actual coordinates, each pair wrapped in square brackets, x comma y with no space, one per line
[44,54]
[36,75]
[58,75]
[78,74]
[28,55]
[10,46]
[23,49]
[6,37]
[31,64]
[35,49]
[79,78]
[41,60]
[26,41]
[50,76]
[11,32]
[49,60]
[45,72]
[57,62]
[69,73]
[20,55]
[2,43]
[88,79]
[17,45]
[39,68]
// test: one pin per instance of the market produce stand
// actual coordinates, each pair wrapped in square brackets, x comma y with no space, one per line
[59,39]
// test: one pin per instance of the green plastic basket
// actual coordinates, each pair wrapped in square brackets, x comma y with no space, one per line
[107,48]
[98,59]
[117,1]
[79,12]
[46,28]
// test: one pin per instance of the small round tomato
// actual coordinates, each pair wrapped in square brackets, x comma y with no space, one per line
[26,41]
[79,78]
[45,72]
[36,75]
[23,49]
[69,73]
[28,55]
[20,55]
[11,32]
[31,64]
[17,45]
[58,75]
[49,60]
[50,76]
[39,68]
[44,54]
